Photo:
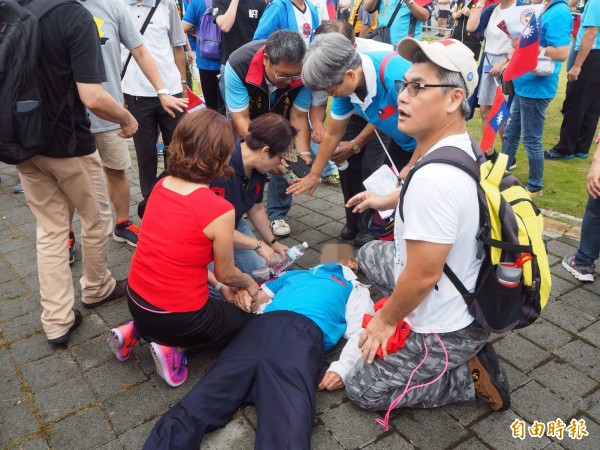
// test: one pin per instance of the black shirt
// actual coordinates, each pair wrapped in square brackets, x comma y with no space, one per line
[70,53]
[246,21]
[239,190]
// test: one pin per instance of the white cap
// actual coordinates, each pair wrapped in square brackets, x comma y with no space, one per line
[449,54]
[304,245]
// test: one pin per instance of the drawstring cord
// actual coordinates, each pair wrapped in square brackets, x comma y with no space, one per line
[385,422]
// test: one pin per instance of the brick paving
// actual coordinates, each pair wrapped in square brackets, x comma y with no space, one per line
[81,397]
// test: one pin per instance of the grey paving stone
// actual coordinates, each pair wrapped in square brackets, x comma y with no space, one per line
[236,435]
[471,444]
[6,363]
[591,405]
[298,211]
[312,236]
[57,401]
[351,426]
[93,326]
[583,356]
[113,377]
[552,260]
[34,444]
[49,371]
[560,249]
[250,413]
[31,349]
[134,406]
[335,211]
[112,445]
[327,400]
[10,389]
[33,283]
[567,317]
[332,229]
[16,423]
[560,286]
[86,429]
[533,402]
[314,220]
[520,353]
[589,442]
[93,352]
[323,440]
[120,271]
[546,335]
[415,424]
[10,291]
[6,274]
[26,269]
[118,255]
[554,446]
[22,326]
[15,242]
[593,287]
[25,254]
[495,431]
[468,412]
[114,313]
[9,309]
[310,259]
[168,394]
[583,300]
[564,380]
[134,438]
[392,442]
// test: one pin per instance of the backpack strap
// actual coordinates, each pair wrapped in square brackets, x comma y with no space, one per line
[142,30]
[384,64]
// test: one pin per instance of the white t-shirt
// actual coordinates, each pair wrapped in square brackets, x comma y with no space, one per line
[441,206]
[496,41]
[304,21]
[322,8]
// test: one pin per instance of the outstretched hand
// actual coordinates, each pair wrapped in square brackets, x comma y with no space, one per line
[331,381]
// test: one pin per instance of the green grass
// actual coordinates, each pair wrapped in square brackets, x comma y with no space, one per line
[564,181]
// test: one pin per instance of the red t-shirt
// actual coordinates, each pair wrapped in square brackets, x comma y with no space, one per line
[169,265]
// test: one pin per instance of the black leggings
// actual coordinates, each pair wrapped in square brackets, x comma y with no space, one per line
[212,326]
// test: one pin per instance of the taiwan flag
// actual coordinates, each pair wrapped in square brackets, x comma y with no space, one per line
[525,56]
[195,102]
[331,10]
[498,115]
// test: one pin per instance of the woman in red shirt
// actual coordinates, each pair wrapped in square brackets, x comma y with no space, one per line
[186,227]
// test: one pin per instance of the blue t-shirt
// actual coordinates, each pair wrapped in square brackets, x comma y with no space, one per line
[405,24]
[382,110]
[320,293]
[589,18]
[557,24]
[237,98]
[193,13]
[241,191]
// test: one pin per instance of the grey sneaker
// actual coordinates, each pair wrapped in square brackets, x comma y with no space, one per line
[584,274]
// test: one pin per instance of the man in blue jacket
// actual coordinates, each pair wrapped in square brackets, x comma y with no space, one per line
[296,15]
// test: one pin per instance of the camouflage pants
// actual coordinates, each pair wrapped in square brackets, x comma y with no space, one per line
[375,386]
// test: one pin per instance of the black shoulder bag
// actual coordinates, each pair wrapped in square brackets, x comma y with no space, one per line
[144,26]
[382,34]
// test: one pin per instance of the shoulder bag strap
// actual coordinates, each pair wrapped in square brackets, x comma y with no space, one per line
[144,26]
[391,21]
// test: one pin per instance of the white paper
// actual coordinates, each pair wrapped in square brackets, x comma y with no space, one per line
[382,182]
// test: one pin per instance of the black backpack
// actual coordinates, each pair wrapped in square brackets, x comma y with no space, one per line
[25,126]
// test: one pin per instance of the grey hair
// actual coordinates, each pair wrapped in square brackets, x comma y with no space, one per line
[286,46]
[328,58]
[447,77]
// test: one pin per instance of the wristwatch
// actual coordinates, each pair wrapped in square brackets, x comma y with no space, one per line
[258,246]
[163,92]
[355,147]
[410,3]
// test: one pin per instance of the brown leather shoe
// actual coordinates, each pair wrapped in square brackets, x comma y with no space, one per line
[119,291]
[489,379]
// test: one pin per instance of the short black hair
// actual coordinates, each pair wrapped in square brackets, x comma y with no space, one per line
[285,46]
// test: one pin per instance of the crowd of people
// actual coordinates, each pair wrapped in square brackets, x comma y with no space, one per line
[193,282]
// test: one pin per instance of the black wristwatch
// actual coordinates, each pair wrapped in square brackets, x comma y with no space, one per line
[273,241]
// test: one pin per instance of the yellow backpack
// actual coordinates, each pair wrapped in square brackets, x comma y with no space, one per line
[514,281]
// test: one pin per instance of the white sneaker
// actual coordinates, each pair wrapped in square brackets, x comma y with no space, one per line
[280,228]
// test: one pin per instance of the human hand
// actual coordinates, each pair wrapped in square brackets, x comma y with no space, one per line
[331,381]
[404,172]
[191,58]
[173,104]
[497,69]
[573,74]
[342,152]
[243,300]
[317,132]
[465,11]
[306,156]
[129,127]
[280,249]
[366,200]
[307,184]
[593,180]
[228,292]
[267,253]
[376,335]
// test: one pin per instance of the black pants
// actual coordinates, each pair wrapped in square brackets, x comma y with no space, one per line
[360,166]
[151,118]
[581,109]
[273,363]
[209,79]
[213,326]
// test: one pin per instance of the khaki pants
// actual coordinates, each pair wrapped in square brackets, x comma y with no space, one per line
[49,183]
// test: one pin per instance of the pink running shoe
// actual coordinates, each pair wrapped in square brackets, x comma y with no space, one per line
[123,340]
[170,364]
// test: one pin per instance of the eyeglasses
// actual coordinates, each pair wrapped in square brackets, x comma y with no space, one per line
[413,87]
[283,77]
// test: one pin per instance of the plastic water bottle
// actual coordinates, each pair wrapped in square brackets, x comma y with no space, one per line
[293,254]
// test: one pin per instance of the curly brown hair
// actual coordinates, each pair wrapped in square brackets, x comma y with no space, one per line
[201,147]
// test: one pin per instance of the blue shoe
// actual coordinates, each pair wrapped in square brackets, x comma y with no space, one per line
[126,232]
[581,155]
[554,155]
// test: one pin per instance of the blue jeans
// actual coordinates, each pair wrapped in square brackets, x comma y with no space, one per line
[330,167]
[245,260]
[589,247]
[222,89]
[278,202]
[527,116]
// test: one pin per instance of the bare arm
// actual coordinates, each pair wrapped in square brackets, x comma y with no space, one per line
[179,55]
[369,5]
[418,11]
[101,103]
[474,19]
[424,267]
[593,177]
[558,53]
[299,120]
[241,121]
[225,21]
[169,103]
[587,42]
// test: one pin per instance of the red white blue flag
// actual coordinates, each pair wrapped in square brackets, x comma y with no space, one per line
[498,116]
[525,56]
[195,102]
[331,10]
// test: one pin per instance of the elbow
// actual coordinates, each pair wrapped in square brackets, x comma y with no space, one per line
[92,101]
[227,276]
